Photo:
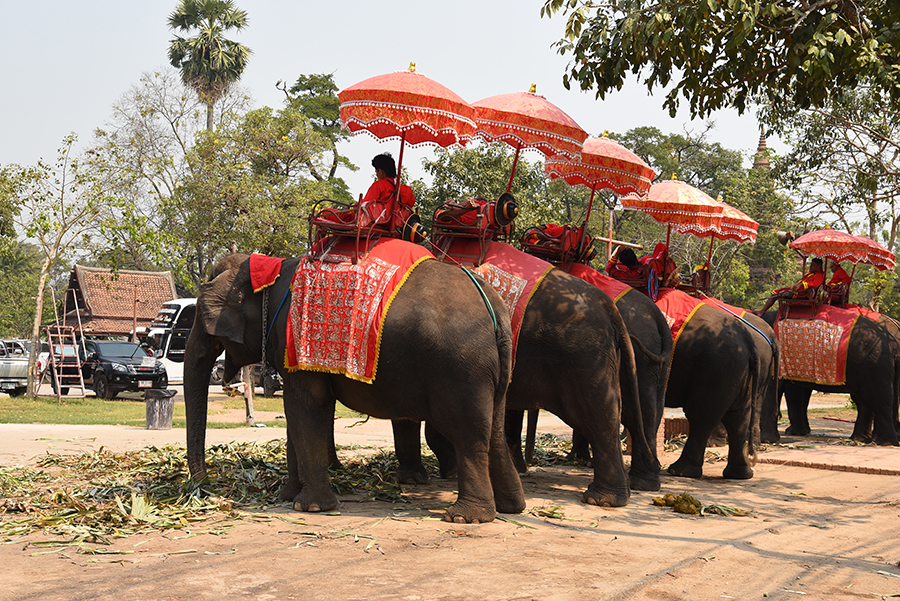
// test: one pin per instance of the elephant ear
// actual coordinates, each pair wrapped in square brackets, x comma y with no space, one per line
[221,303]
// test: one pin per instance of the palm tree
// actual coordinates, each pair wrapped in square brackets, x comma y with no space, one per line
[209,63]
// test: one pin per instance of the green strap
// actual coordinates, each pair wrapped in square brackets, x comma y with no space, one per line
[483,296]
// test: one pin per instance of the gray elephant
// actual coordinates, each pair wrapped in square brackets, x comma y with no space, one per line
[442,360]
[652,342]
[574,359]
[872,380]
[718,374]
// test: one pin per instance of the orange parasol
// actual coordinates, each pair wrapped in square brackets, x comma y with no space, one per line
[409,106]
[841,246]
[678,204]
[526,120]
[736,225]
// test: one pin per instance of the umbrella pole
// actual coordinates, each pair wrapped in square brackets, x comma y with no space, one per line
[709,258]
[609,243]
[513,173]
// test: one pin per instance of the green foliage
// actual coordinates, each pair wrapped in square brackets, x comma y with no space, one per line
[717,54]
[248,185]
[316,97]
[209,62]
[483,171]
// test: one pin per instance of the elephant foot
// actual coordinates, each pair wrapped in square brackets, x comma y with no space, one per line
[466,513]
[289,491]
[510,502]
[685,470]
[861,438]
[643,481]
[793,430]
[592,496]
[886,441]
[769,437]
[305,502]
[743,472]
[412,476]
[519,463]
[447,469]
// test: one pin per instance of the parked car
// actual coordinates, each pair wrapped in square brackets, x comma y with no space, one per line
[113,366]
[13,367]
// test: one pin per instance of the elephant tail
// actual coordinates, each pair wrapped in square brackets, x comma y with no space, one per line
[758,388]
[643,463]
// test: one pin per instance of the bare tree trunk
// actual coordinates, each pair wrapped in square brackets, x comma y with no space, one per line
[36,329]
[209,116]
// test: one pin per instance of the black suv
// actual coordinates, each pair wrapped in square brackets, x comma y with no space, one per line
[112,366]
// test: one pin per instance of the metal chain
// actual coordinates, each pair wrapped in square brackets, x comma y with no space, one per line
[265,321]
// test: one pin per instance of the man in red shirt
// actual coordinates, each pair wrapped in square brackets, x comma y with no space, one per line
[375,206]
[624,264]
[839,276]
[812,279]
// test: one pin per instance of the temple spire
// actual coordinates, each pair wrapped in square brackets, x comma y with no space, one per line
[761,158]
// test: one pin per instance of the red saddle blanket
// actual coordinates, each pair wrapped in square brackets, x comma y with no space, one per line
[612,287]
[337,308]
[264,270]
[678,308]
[515,276]
[873,315]
[814,345]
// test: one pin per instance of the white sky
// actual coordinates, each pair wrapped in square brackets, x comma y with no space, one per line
[67,63]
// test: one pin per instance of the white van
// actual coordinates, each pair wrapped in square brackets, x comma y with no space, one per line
[168,335]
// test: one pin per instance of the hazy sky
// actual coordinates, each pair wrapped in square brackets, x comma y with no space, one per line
[67,63]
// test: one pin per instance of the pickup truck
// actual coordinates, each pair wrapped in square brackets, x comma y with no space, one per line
[13,367]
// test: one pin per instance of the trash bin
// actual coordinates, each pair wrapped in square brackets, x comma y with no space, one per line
[160,407]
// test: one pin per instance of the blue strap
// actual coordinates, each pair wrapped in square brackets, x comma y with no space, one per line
[274,317]
[483,296]
[749,324]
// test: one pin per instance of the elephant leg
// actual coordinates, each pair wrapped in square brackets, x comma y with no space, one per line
[700,426]
[310,421]
[505,483]
[581,449]
[443,449]
[513,427]
[883,432]
[408,447]
[292,487]
[863,426]
[769,414]
[797,400]
[737,425]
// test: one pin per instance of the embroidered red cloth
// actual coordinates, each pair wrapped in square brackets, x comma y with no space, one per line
[678,308]
[873,315]
[337,308]
[611,286]
[814,346]
[264,271]
[515,275]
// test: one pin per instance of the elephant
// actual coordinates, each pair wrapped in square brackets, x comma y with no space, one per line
[442,360]
[718,374]
[574,359]
[652,342]
[872,380]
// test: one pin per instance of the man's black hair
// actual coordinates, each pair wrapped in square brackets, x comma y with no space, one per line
[817,260]
[385,162]
[628,258]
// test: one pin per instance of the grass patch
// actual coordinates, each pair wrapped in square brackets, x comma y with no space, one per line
[129,411]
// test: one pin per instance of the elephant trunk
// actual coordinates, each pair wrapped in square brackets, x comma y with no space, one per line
[199,358]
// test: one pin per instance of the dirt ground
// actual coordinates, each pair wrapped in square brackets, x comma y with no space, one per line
[812,533]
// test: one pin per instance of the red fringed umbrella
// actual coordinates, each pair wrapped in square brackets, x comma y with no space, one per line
[409,106]
[678,204]
[526,120]
[604,164]
[841,246]
[736,225]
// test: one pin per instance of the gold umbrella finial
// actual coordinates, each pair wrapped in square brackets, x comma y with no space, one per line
[533,89]
[412,67]
[605,133]
[719,199]
[674,177]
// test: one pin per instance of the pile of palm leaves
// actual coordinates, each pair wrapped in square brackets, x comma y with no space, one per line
[101,495]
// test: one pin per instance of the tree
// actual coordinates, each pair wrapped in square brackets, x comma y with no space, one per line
[60,207]
[483,171]
[247,184]
[316,97]
[209,63]
[724,53]
[20,267]
[844,161]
